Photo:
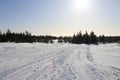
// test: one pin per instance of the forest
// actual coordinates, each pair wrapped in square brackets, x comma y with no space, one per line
[78,38]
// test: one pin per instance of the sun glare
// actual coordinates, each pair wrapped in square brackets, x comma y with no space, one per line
[82,4]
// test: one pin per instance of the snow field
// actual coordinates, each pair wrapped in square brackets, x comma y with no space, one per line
[38,61]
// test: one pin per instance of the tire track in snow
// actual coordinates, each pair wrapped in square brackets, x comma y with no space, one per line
[86,66]
[98,72]
[59,69]
[23,68]
[22,71]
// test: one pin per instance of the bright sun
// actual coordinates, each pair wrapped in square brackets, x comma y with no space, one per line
[82,4]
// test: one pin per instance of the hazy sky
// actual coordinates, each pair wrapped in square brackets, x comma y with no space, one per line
[61,17]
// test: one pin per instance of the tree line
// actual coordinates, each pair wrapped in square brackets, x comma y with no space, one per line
[85,38]
[78,38]
[26,36]
[91,38]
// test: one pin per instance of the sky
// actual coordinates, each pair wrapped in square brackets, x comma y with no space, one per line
[61,17]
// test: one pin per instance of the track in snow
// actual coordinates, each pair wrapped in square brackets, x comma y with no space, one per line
[59,62]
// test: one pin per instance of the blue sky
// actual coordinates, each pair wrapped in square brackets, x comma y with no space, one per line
[60,17]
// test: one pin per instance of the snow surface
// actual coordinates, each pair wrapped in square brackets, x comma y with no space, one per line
[38,61]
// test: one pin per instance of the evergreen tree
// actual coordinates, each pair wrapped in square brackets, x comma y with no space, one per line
[8,32]
[0,32]
[60,39]
[80,37]
[103,39]
[0,36]
[27,33]
[86,39]
[9,36]
[74,39]
[93,38]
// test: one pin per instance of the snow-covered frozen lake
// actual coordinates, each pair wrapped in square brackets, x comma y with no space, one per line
[38,61]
